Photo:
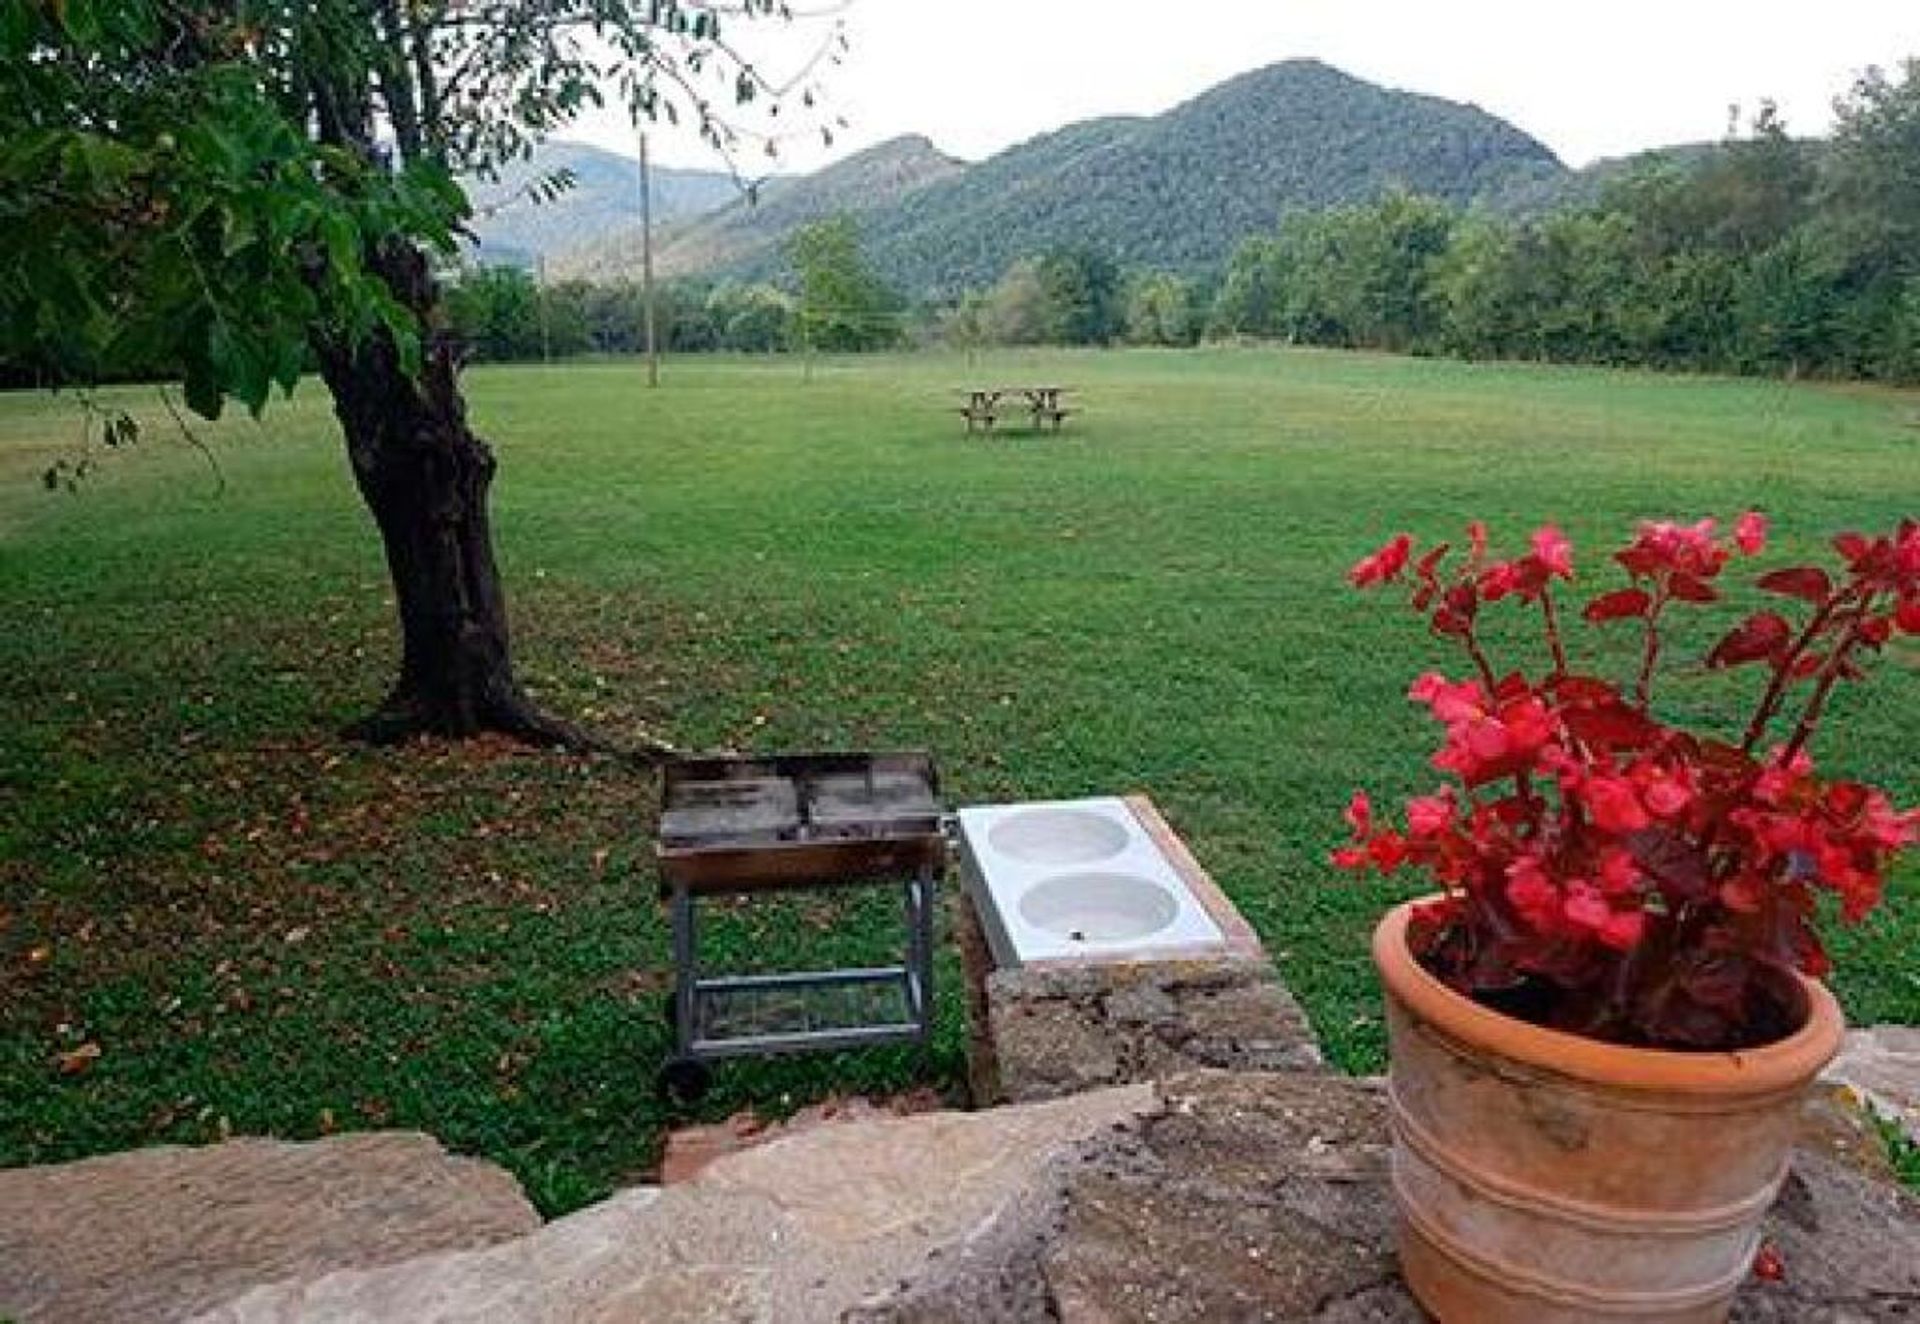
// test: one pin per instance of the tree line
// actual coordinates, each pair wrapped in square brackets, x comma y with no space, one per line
[1762,254]
[832,301]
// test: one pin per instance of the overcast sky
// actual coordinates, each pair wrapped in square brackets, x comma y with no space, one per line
[1588,79]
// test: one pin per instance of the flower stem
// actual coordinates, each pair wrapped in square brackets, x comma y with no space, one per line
[1783,671]
[1554,643]
[1650,650]
[1829,677]
[1480,660]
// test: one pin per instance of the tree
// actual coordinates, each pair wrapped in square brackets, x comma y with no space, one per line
[231,186]
[496,313]
[1082,287]
[1248,302]
[843,306]
[1016,312]
[1871,210]
[967,324]
[1162,310]
[754,319]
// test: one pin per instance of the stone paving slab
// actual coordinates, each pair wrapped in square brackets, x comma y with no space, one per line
[1882,1064]
[802,1229]
[1250,1197]
[159,1234]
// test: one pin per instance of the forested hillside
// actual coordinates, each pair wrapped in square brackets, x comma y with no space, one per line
[1175,191]
[1180,190]
[748,234]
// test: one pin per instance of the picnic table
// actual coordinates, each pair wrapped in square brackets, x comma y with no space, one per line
[987,404]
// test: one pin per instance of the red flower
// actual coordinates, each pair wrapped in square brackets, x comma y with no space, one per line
[1430,815]
[1383,565]
[1623,930]
[1387,852]
[1533,894]
[1666,792]
[1664,547]
[1451,701]
[1750,533]
[1619,873]
[1614,806]
[1553,551]
[1589,912]
[1360,815]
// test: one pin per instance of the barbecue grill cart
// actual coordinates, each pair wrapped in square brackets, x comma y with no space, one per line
[750,827]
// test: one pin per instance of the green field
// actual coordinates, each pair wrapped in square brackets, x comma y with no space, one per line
[266,930]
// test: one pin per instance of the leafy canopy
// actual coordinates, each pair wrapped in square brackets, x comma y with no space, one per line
[211,184]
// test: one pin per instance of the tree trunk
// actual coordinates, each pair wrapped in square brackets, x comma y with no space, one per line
[424,476]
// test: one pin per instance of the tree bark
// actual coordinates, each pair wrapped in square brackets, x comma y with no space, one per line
[425,477]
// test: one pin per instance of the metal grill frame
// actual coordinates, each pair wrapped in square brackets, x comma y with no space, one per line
[909,854]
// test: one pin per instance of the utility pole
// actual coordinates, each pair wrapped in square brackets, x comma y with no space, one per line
[540,293]
[646,265]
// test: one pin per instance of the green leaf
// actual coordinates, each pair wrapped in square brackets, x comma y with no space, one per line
[202,389]
[342,240]
[289,360]
[17,29]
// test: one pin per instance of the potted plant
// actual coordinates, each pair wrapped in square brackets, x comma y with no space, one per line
[1603,1024]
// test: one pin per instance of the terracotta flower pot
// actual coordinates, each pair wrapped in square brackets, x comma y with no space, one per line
[1543,1178]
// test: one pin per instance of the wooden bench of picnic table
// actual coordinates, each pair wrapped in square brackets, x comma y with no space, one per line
[1042,404]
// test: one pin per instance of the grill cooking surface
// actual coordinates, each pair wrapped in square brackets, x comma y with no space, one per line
[798,815]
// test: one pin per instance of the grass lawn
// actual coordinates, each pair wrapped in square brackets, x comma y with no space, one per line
[265,930]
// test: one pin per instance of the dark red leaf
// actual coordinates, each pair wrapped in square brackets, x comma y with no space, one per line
[1853,546]
[1808,664]
[1677,864]
[1611,726]
[1512,686]
[1639,562]
[1800,581]
[1582,689]
[1876,630]
[1907,615]
[1717,982]
[1619,604]
[1690,588]
[1762,636]
[1723,757]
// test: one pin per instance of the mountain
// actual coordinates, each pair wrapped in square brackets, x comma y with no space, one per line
[1181,189]
[1177,190]
[747,234]
[514,227]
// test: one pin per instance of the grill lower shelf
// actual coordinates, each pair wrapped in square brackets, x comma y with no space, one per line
[745,1014]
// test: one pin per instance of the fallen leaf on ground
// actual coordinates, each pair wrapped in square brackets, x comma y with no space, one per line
[77,1060]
